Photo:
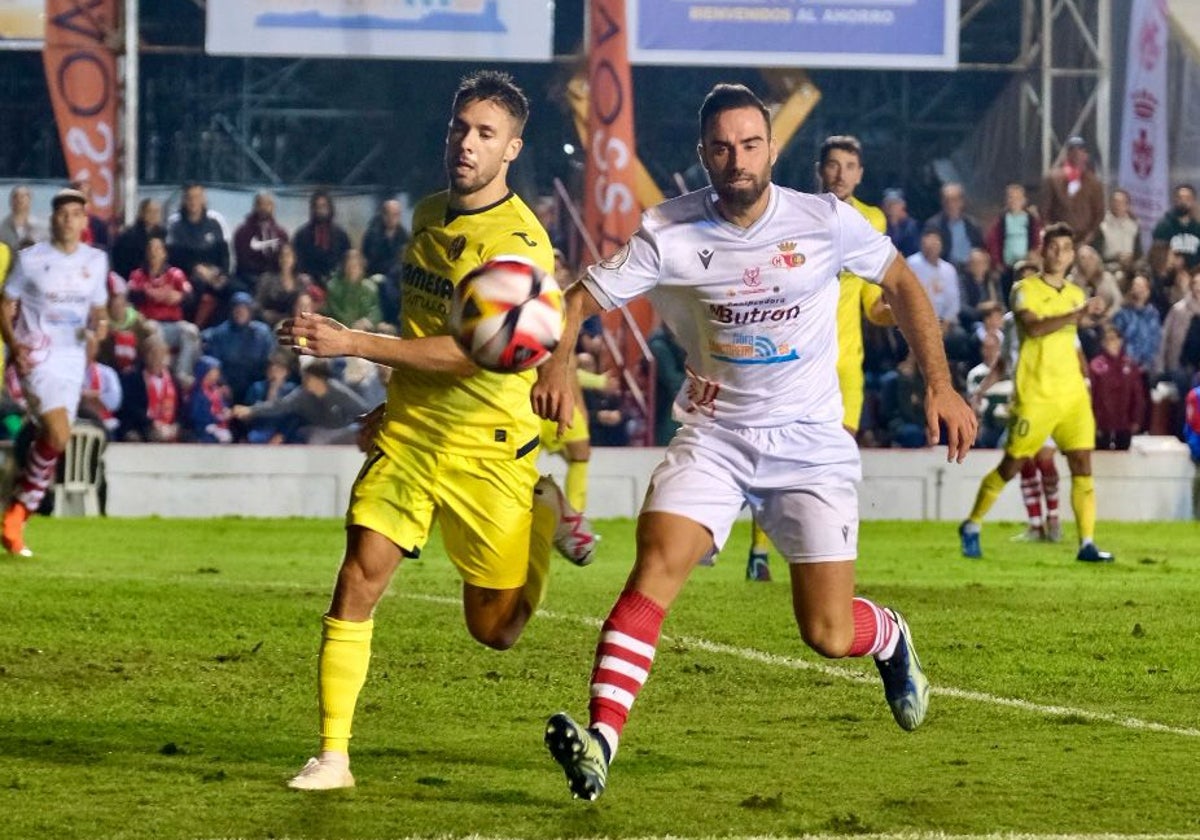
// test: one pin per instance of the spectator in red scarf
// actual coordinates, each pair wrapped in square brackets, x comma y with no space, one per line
[150,411]
[208,405]
[1073,194]
[320,243]
[101,395]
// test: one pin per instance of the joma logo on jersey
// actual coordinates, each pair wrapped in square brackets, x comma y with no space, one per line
[426,282]
[756,315]
[787,256]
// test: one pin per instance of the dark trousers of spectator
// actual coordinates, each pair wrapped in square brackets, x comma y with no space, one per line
[1108,440]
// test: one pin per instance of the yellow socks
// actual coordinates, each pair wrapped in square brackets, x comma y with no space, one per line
[760,543]
[341,672]
[1083,503]
[576,489]
[989,490]
[541,541]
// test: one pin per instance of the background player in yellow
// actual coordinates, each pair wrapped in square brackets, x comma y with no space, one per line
[575,443]
[1050,394]
[840,171]
[456,445]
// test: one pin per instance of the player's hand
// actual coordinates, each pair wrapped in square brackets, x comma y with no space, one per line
[309,334]
[944,406]
[552,396]
[368,428]
[22,359]
[240,412]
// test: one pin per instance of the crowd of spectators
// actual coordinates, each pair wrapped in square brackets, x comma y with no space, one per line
[191,356]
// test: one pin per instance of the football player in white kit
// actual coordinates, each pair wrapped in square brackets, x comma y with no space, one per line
[745,273]
[55,296]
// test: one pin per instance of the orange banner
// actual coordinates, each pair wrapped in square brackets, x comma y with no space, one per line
[81,71]
[610,207]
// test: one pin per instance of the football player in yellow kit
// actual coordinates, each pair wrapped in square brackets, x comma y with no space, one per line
[840,170]
[456,445]
[1050,393]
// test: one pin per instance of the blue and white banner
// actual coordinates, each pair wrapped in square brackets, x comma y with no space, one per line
[859,34]
[496,30]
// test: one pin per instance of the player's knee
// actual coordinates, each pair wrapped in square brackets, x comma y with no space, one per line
[57,437]
[827,638]
[497,638]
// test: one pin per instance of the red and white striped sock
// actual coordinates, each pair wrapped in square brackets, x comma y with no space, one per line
[1031,493]
[874,631]
[1049,473]
[623,658]
[36,475]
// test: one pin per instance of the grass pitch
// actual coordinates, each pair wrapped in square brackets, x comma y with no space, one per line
[157,679]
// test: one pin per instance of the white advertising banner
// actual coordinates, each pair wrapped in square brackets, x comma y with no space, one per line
[496,30]
[858,34]
[1145,163]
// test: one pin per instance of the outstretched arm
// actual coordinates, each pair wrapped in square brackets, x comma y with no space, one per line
[310,334]
[915,317]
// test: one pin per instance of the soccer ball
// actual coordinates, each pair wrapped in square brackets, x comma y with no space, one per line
[508,315]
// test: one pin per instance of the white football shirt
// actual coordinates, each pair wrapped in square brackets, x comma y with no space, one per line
[56,291]
[754,308]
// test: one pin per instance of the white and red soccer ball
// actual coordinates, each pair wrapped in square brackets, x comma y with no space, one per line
[508,315]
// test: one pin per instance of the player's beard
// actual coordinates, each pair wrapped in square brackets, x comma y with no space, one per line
[472,180]
[743,195]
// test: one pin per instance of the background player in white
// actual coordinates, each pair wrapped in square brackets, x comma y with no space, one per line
[55,296]
[761,411]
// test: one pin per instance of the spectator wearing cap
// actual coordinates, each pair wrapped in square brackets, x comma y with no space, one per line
[902,228]
[1016,232]
[1178,226]
[959,231]
[320,242]
[241,344]
[1072,193]
[20,227]
[129,249]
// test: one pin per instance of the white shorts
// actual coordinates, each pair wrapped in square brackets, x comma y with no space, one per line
[48,387]
[800,479]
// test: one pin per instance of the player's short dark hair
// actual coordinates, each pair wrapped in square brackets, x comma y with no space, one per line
[1187,187]
[727,97]
[841,142]
[493,86]
[1057,230]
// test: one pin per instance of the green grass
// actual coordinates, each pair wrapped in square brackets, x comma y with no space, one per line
[157,679]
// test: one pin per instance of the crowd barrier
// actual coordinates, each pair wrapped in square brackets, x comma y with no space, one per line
[1153,481]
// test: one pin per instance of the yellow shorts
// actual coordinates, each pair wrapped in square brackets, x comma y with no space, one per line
[483,505]
[551,442]
[1071,424]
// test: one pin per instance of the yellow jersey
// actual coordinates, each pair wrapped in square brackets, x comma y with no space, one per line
[1048,368]
[855,296]
[5,261]
[484,415]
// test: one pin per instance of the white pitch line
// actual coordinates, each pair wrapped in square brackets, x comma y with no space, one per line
[851,675]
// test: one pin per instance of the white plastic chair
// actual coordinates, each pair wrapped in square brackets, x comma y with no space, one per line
[78,493]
